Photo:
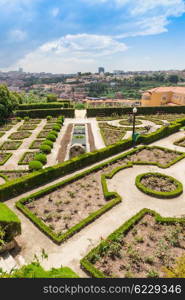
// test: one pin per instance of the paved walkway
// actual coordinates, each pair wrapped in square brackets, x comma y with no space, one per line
[69,253]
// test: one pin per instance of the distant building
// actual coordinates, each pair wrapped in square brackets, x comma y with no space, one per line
[101,70]
[20,70]
[164,96]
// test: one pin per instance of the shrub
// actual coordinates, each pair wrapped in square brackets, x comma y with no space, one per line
[54,132]
[45,149]
[18,119]
[49,118]
[26,118]
[49,143]
[35,165]
[51,137]
[56,128]
[41,157]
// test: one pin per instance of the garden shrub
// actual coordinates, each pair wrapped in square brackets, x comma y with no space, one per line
[48,142]
[18,119]
[26,118]
[49,118]
[45,149]
[35,165]
[41,157]
[56,128]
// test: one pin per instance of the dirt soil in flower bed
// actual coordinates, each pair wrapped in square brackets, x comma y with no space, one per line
[5,127]
[14,175]
[10,145]
[43,134]
[159,184]
[111,134]
[145,250]
[67,206]
[32,121]
[28,157]
[27,127]
[19,135]
[49,126]
[3,156]
[64,143]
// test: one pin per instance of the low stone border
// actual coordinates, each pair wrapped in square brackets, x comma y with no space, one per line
[158,194]
[178,142]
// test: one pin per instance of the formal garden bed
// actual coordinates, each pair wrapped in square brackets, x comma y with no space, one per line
[33,121]
[4,157]
[159,185]
[36,144]
[49,126]
[6,127]
[144,246]
[1,134]
[11,175]
[111,134]
[127,123]
[180,142]
[10,145]
[27,127]
[27,157]
[20,135]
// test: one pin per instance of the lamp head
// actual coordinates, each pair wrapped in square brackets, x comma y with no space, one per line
[134,110]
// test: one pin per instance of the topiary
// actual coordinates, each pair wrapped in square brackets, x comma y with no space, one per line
[49,143]
[56,128]
[18,119]
[26,118]
[45,149]
[51,137]
[35,165]
[41,157]
[49,118]
[54,133]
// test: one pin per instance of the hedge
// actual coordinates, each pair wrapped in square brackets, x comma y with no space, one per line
[36,179]
[21,161]
[116,235]
[146,110]
[43,113]
[165,195]
[9,222]
[113,198]
[8,155]
[179,142]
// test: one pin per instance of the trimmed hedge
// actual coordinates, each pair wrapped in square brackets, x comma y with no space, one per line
[43,105]
[9,222]
[35,165]
[145,110]
[41,157]
[48,142]
[8,155]
[43,113]
[166,195]
[104,246]
[51,137]
[45,149]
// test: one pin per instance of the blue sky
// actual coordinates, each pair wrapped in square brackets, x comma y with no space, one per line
[63,36]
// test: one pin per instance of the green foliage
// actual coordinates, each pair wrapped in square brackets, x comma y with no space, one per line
[18,119]
[8,102]
[43,113]
[48,142]
[51,98]
[51,137]
[41,157]
[26,119]
[49,118]
[45,149]
[56,127]
[35,165]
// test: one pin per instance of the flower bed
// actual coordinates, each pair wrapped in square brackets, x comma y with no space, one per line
[11,175]
[141,247]
[127,123]
[6,127]
[10,145]
[180,143]
[20,135]
[27,127]
[4,157]
[43,134]
[36,144]
[159,185]
[49,126]
[111,134]
[1,134]
[26,158]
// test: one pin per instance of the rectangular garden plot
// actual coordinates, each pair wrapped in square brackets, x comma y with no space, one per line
[4,157]
[20,135]
[32,121]
[1,134]
[43,134]
[26,158]
[27,127]
[5,127]
[11,175]
[142,247]
[36,144]
[49,126]
[10,145]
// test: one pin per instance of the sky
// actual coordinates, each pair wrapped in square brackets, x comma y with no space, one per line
[69,36]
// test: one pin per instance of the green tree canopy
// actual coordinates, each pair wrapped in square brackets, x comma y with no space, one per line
[8,102]
[51,98]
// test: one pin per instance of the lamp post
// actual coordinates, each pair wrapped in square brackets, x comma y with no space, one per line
[134,125]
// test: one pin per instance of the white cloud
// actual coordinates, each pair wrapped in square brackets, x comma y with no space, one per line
[18,35]
[71,53]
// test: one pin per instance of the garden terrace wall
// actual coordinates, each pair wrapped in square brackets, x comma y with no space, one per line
[44,105]
[145,110]
[36,179]
[43,113]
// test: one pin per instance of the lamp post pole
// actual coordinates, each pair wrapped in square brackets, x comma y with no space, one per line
[134,125]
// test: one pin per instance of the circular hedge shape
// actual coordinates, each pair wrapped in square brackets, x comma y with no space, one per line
[41,157]
[35,165]
[51,137]
[45,149]
[126,123]
[159,194]
[49,118]
[54,133]
[56,128]
[48,142]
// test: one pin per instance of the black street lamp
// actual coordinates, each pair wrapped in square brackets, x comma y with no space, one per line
[134,125]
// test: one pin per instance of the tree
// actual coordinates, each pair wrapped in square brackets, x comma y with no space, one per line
[8,102]
[51,98]
[173,78]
